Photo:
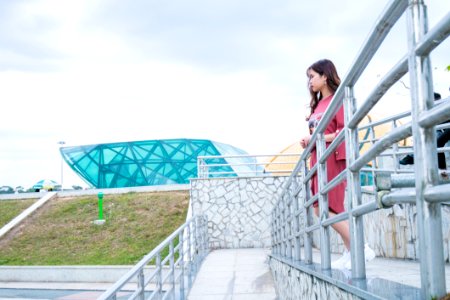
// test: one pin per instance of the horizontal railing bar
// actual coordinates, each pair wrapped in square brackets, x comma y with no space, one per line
[336,142]
[247,155]
[397,134]
[249,164]
[383,25]
[168,274]
[395,74]
[312,228]
[365,208]
[310,173]
[333,183]
[437,114]
[153,294]
[298,190]
[134,295]
[388,181]
[438,193]
[380,170]
[336,219]
[434,37]
[165,260]
[311,201]
[151,275]
[407,195]
[390,152]
[383,121]
[368,190]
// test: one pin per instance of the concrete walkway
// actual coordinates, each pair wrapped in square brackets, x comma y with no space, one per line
[234,274]
[226,274]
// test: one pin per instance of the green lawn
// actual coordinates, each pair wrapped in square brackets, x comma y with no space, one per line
[9,209]
[63,233]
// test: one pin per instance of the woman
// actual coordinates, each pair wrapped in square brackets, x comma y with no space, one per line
[323,82]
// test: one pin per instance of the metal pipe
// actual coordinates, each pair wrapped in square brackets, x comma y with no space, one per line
[356,226]
[403,196]
[439,193]
[333,183]
[428,214]
[332,147]
[312,228]
[310,173]
[435,115]
[382,144]
[336,219]
[322,178]
[365,208]
[434,37]
[397,72]
[307,236]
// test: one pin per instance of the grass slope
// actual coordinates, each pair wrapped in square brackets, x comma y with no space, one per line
[63,233]
[9,209]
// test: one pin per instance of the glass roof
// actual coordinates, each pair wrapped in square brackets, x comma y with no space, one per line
[143,163]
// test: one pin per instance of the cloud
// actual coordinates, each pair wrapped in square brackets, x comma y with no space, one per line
[90,72]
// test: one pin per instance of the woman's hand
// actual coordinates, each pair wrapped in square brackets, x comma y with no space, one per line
[304,141]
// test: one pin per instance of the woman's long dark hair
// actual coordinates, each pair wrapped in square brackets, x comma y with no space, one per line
[327,68]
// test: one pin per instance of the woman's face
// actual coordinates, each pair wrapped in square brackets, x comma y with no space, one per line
[316,81]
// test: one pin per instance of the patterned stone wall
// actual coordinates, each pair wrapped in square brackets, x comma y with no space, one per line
[291,283]
[238,209]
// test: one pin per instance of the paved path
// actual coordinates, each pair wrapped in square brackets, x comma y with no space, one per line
[226,274]
[234,274]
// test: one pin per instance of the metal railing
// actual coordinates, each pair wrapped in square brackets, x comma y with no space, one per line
[246,165]
[292,217]
[169,277]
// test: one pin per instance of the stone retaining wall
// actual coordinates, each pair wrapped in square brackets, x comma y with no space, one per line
[239,214]
[291,283]
[238,209]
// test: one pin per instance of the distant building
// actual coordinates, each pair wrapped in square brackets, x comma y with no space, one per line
[143,163]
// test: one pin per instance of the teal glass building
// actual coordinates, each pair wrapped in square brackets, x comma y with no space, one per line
[151,162]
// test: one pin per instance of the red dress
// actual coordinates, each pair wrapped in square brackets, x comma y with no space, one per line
[336,162]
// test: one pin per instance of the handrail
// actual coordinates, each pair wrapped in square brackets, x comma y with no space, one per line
[262,165]
[192,247]
[429,193]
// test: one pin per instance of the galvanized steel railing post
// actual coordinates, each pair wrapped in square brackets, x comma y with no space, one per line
[288,216]
[354,190]
[309,218]
[296,223]
[141,286]
[283,228]
[172,267]
[395,150]
[159,266]
[197,245]
[181,266]
[205,235]
[279,228]
[325,256]
[428,214]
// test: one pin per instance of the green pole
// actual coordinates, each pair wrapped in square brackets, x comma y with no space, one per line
[100,206]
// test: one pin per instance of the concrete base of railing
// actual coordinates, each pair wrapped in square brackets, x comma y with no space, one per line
[296,280]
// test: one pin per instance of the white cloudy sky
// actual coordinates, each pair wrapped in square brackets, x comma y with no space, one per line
[232,71]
